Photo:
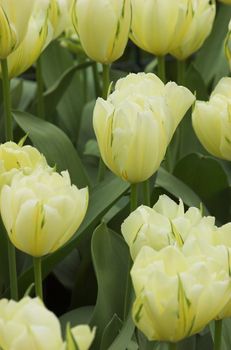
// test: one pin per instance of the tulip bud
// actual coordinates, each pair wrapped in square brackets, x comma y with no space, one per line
[177,296]
[37,37]
[212,123]
[164,224]
[178,27]
[14,157]
[14,18]
[199,23]
[27,324]
[135,124]
[42,211]
[103,27]
[60,16]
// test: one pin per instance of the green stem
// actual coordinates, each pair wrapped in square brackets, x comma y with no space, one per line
[40,89]
[12,271]
[218,335]
[180,72]
[38,276]
[96,79]
[7,100]
[106,80]
[161,68]
[172,346]
[146,193]
[106,83]
[133,197]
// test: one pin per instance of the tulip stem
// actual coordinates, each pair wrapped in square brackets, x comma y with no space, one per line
[12,271]
[172,346]
[106,80]
[40,88]
[7,100]
[218,335]
[161,68]
[180,72]
[38,277]
[133,197]
[96,79]
[146,193]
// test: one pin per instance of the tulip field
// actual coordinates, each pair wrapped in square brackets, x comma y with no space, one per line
[115,175]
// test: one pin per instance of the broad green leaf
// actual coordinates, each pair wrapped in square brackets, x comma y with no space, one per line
[111,331]
[53,95]
[76,317]
[177,188]
[211,186]
[123,340]
[54,144]
[111,273]
[4,268]
[210,60]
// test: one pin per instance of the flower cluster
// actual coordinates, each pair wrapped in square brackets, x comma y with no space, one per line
[181,271]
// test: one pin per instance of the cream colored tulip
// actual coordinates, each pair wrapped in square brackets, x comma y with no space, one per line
[15,157]
[178,295]
[212,123]
[60,16]
[178,27]
[135,124]
[14,19]
[83,336]
[42,211]
[103,27]
[27,324]
[199,23]
[38,35]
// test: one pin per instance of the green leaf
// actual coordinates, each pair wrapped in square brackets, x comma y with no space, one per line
[53,95]
[76,317]
[111,274]
[177,188]
[123,340]
[212,185]
[54,144]
[210,60]
[111,331]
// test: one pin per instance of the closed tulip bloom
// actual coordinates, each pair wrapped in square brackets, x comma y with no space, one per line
[103,27]
[178,295]
[199,23]
[15,157]
[135,124]
[83,336]
[27,324]
[60,16]
[165,224]
[42,211]
[14,18]
[38,35]
[211,121]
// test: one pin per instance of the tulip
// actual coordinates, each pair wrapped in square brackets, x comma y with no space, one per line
[83,336]
[27,324]
[42,211]
[14,18]
[60,16]
[163,225]
[199,23]
[16,157]
[211,121]
[103,27]
[178,295]
[37,37]
[171,26]
[135,124]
